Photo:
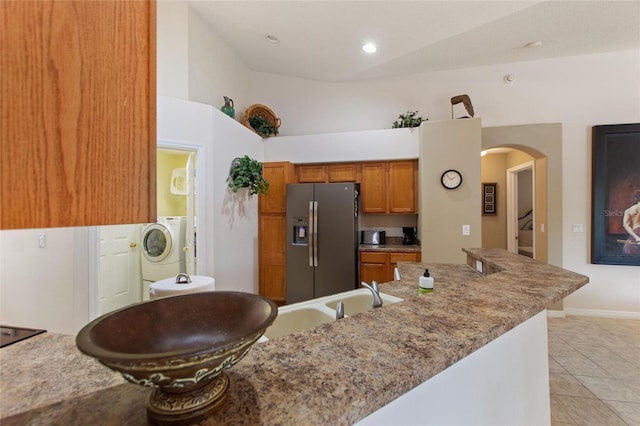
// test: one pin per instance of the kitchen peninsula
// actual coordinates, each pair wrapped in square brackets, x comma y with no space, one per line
[337,373]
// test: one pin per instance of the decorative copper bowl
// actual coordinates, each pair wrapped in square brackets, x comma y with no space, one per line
[180,346]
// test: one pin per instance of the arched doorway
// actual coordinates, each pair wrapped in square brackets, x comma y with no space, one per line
[541,143]
[518,221]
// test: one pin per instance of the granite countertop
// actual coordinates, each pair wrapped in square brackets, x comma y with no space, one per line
[390,247]
[336,373]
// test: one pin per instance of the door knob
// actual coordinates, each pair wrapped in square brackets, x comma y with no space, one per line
[132,245]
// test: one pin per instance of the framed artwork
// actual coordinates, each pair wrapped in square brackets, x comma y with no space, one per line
[489,198]
[615,216]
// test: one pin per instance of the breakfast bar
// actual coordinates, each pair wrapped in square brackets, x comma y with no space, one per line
[338,373]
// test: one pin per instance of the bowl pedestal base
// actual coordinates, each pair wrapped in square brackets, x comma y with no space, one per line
[187,408]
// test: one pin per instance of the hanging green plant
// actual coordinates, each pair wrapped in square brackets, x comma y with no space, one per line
[410,119]
[262,126]
[246,172]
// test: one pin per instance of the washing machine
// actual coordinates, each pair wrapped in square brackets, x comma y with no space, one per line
[162,250]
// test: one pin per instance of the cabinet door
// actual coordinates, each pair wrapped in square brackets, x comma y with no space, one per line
[374,188]
[373,272]
[278,175]
[78,103]
[373,266]
[314,173]
[395,257]
[271,242]
[341,172]
[401,191]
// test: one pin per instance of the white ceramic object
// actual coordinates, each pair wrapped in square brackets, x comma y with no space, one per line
[169,287]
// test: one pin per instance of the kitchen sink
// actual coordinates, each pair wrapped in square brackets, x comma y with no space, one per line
[312,313]
[358,301]
[291,320]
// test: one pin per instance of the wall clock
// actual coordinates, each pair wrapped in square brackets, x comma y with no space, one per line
[451,179]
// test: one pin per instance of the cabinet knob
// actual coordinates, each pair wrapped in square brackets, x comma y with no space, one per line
[133,245]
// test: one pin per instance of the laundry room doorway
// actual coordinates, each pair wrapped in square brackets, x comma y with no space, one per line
[116,251]
[178,197]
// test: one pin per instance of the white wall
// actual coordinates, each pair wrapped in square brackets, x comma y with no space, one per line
[235,214]
[194,63]
[45,288]
[578,92]
[229,247]
[214,69]
[172,47]
[387,144]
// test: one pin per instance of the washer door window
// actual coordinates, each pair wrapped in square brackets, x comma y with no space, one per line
[156,242]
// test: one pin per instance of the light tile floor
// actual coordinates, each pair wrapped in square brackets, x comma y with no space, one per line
[594,371]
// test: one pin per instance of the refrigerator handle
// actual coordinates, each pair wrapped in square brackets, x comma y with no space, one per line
[315,233]
[310,231]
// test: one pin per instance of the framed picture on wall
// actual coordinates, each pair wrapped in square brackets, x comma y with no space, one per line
[615,218]
[489,198]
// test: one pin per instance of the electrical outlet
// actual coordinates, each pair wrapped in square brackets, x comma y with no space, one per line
[42,240]
[466,229]
[479,266]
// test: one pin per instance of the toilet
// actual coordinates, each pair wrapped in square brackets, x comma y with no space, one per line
[182,284]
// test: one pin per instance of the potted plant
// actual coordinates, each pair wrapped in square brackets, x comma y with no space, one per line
[246,172]
[410,119]
[262,126]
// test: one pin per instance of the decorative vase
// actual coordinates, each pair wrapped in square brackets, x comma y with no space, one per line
[227,108]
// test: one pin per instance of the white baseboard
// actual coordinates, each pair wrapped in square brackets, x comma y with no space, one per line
[598,313]
[553,313]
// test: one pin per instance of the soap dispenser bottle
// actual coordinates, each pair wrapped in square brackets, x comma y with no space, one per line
[426,282]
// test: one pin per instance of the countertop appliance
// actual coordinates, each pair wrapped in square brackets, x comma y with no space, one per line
[10,335]
[373,237]
[322,239]
[409,236]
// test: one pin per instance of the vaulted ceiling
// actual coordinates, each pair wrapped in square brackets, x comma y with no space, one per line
[323,40]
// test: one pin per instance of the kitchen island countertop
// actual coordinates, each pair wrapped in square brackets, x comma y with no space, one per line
[336,373]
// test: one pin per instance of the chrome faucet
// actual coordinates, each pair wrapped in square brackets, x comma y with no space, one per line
[340,311]
[377,301]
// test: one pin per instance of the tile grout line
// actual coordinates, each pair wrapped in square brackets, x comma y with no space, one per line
[555,336]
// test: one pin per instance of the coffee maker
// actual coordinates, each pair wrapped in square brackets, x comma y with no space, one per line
[409,236]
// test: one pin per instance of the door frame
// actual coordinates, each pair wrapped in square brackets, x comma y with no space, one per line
[512,204]
[201,226]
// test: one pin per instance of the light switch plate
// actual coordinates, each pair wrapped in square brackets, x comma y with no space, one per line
[466,229]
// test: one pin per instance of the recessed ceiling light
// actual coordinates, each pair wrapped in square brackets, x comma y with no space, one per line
[537,43]
[272,38]
[369,48]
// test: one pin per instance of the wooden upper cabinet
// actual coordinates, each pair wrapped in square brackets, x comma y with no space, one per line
[278,175]
[346,172]
[312,173]
[374,188]
[402,186]
[78,113]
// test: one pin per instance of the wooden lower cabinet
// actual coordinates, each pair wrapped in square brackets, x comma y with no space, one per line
[271,242]
[373,266]
[379,265]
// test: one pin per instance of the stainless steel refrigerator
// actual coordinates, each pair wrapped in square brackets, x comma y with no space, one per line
[322,239]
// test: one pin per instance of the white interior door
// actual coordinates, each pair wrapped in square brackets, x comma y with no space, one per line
[119,267]
[513,203]
[192,208]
